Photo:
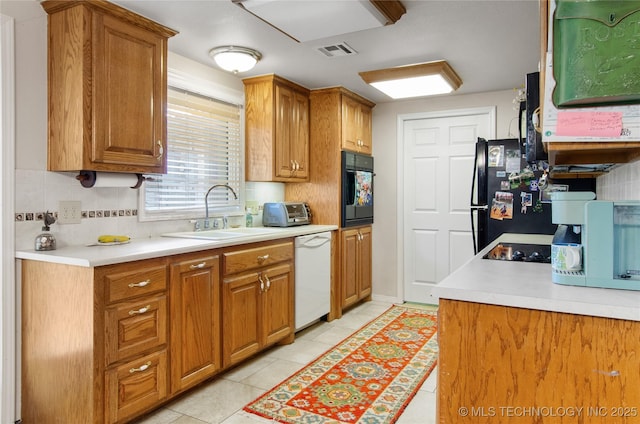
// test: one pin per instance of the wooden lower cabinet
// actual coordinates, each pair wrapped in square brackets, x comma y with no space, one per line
[107,344]
[501,364]
[257,303]
[94,341]
[195,319]
[135,386]
[355,265]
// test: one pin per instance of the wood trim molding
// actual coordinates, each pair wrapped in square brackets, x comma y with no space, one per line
[8,388]
[440,67]
[392,10]
[52,6]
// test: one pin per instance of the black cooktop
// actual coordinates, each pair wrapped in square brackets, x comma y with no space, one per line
[520,252]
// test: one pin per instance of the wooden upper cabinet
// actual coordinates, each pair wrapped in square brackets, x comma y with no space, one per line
[356,125]
[578,153]
[107,89]
[277,130]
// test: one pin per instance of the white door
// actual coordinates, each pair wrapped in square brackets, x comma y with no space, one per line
[435,181]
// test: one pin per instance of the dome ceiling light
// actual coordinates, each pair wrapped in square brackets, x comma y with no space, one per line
[235,59]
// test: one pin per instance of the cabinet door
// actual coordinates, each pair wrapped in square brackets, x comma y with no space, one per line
[364,123]
[135,327]
[284,132]
[349,246]
[300,143]
[350,124]
[134,387]
[195,320]
[364,259]
[240,304]
[356,265]
[277,303]
[291,133]
[356,126]
[129,96]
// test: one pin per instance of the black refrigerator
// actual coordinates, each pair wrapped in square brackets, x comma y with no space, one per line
[505,192]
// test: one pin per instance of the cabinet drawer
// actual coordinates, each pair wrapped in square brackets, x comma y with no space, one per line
[135,280]
[134,327]
[243,260]
[135,386]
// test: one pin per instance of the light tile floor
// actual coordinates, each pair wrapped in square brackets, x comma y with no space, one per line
[221,400]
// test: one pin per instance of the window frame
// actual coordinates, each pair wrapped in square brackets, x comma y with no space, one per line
[184,81]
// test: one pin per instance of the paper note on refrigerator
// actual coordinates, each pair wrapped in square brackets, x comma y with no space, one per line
[594,124]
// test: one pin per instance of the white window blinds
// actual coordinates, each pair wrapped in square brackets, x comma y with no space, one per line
[203,148]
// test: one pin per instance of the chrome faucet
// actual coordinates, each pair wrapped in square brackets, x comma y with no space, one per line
[206,202]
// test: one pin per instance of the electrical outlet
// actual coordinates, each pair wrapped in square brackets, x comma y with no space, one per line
[251,206]
[69,212]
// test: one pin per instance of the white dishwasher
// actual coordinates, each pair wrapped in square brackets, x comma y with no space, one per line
[313,278]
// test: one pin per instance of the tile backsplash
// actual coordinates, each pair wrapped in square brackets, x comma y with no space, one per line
[622,183]
[104,210]
[115,210]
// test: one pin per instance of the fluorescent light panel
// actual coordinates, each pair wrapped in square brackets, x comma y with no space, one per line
[312,20]
[424,79]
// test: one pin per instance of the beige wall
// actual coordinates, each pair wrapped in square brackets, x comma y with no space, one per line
[385,115]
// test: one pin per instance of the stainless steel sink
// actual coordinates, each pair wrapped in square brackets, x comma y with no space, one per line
[225,234]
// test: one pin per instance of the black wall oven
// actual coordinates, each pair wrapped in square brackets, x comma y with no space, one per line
[357,189]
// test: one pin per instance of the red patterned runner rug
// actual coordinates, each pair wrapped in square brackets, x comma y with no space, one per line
[369,377]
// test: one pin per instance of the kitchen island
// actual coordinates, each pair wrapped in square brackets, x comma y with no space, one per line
[514,347]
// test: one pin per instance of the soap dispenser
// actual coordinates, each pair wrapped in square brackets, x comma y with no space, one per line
[46,240]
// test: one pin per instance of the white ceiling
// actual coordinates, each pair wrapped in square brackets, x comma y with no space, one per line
[491,44]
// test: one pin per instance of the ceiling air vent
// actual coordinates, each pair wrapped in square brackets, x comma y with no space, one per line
[341,49]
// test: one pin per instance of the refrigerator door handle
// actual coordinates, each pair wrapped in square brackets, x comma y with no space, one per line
[479,162]
[473,232]
[474,176]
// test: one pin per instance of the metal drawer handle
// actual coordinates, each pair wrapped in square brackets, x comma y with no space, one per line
[160,150]
[268,281]
[261,283]
[142,367]
[140,311]
[140,284]
[200,265]
[262,258]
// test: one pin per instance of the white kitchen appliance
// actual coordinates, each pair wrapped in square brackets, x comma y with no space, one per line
[313,278]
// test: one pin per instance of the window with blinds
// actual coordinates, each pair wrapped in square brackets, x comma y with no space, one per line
[203,148]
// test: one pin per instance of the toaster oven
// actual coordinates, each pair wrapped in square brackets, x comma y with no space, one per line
[285,214]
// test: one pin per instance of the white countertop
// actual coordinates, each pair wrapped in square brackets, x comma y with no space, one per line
[528,285]
[147,248]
